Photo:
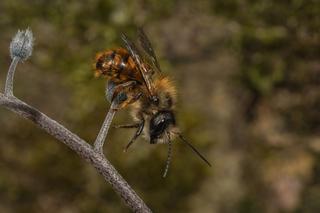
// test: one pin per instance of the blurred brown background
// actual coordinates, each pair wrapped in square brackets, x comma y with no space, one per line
[248,76]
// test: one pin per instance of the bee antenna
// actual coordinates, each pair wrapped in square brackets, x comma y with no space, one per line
[168,158]
[194,149]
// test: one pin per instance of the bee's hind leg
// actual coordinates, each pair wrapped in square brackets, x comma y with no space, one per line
[122,88]
[122,94]
[117,92]
[126,100]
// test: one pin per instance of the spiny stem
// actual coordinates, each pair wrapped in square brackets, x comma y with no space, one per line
[8,91]
[98,144]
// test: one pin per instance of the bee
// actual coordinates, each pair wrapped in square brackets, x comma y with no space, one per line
[136,80]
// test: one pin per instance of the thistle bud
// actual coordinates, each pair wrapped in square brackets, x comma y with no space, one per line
[22,44]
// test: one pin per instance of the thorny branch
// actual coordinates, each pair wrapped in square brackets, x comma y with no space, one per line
[20,50]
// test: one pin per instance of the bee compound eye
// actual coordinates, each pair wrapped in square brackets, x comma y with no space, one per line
[159,124]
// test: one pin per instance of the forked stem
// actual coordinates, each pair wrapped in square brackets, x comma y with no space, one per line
[8,90]
[21,49]
[99,142]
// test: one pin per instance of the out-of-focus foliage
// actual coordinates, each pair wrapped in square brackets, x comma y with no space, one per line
[248,76]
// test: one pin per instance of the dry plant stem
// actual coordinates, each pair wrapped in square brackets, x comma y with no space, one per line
[98,144]
[9,82]
[81,147]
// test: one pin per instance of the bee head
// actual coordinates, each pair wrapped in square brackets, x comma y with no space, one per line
[160,123]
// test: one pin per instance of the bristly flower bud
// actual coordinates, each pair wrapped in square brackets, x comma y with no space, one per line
[22,44]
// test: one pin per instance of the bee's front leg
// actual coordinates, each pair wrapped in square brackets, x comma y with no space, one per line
[138,132]
[136,135]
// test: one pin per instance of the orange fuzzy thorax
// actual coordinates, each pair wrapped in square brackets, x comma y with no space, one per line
[166,91]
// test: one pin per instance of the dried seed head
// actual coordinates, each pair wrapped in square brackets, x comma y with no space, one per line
[22,44]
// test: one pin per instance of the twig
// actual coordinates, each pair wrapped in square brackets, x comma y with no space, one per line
[81,147]
[98,144]
[22,48]
[9,82]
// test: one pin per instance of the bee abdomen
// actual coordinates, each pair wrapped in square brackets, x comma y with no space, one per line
[115,63]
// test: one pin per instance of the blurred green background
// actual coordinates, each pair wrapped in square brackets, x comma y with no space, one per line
[248,76]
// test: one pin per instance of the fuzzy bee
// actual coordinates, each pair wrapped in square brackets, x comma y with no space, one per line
[136,80]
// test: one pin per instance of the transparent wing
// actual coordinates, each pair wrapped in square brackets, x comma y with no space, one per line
[131,47]
[146,45]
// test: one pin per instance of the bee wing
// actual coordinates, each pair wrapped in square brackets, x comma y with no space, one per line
[147,47]
[131,47]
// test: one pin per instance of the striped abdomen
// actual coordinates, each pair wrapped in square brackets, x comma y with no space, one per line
[118,65]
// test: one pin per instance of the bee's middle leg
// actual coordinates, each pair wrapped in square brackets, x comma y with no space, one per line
[127,126]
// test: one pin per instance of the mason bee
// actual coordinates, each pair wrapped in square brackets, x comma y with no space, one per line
[136,80]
